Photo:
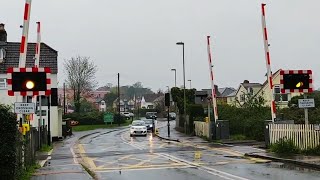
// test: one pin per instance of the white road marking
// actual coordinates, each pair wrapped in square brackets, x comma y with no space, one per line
[212,171]
[75,160]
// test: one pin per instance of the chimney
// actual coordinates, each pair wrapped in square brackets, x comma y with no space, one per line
[3,42]
[3,33]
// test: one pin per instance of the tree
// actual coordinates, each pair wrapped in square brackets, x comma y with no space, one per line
[177,96]
[80,77]
[109,98]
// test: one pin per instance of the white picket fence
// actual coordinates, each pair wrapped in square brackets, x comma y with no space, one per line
[201,128]
[303,136]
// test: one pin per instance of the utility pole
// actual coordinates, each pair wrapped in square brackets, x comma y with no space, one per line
[119,117]
[306,115]
[64,98]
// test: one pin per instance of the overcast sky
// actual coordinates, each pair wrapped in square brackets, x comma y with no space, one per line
[137,37]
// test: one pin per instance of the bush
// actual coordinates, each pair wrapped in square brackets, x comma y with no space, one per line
[89,118]
[247,121]
[284,146]
[312,151]
[9,168]
[238,137]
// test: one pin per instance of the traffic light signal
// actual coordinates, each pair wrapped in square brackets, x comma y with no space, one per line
[167,99]
[29,81]
[296,81]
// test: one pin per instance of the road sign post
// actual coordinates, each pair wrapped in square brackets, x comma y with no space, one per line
[24,108]
[108,117]
[306,103]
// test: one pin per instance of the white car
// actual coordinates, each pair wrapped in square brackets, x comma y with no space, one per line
[138,127]
[125,114]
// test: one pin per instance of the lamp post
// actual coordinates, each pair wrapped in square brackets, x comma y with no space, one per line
[175,77]
[184,88]
[190,82]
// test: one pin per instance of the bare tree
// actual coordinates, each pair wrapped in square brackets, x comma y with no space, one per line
[80,77]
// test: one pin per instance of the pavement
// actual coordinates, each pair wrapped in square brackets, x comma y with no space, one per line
[246,148]
[62,162]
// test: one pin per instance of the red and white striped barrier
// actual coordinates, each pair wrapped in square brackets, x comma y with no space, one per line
[25,31]
[306,90]
[213,90]
[28,93]
[38,46]
[268,62]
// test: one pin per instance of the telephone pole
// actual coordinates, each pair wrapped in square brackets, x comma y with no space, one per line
[119,117]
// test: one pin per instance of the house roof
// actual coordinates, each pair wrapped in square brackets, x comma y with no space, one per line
[159,99]
[224,92]
[232,94]
[151,97]
[248,85]
[48,56]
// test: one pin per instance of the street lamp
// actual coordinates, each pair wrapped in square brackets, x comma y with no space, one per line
[175,77]
[168,89]
[190,82]
[184,87]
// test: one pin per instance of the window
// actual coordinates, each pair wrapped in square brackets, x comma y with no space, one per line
[278,97]
[242,97]
[44,100]
[3,83]
[251,90]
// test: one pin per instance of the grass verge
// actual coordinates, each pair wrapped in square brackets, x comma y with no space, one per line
[46,148]
[26,175]
[100,126]
[238,137]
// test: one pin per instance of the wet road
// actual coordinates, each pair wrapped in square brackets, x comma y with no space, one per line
[117,156]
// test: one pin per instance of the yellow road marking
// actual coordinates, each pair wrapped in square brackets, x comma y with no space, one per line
[86,159]
[141,167]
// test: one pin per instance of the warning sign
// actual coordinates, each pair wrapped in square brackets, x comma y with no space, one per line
[24,108]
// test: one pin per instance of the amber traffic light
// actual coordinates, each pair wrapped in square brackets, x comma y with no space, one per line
[29,81]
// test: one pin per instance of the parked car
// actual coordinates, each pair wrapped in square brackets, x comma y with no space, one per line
[149,124]
[172,116]
[125,114]
[138,127]
[151,115]
[131,114]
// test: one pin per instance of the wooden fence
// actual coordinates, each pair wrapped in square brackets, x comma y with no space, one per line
[201,129]
[303,136]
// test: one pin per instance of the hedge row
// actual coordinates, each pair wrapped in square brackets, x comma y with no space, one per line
[90,118]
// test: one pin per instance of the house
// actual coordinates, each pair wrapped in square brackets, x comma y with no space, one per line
[254,90]
[48,58]
[224,93]
[95,97]
[221,93]
[147,101]
[231,98]
[281,100]
[246,90]
[125,105]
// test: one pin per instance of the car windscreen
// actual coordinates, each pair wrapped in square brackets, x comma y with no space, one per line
[151,113]
[148,121]
[138,123]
